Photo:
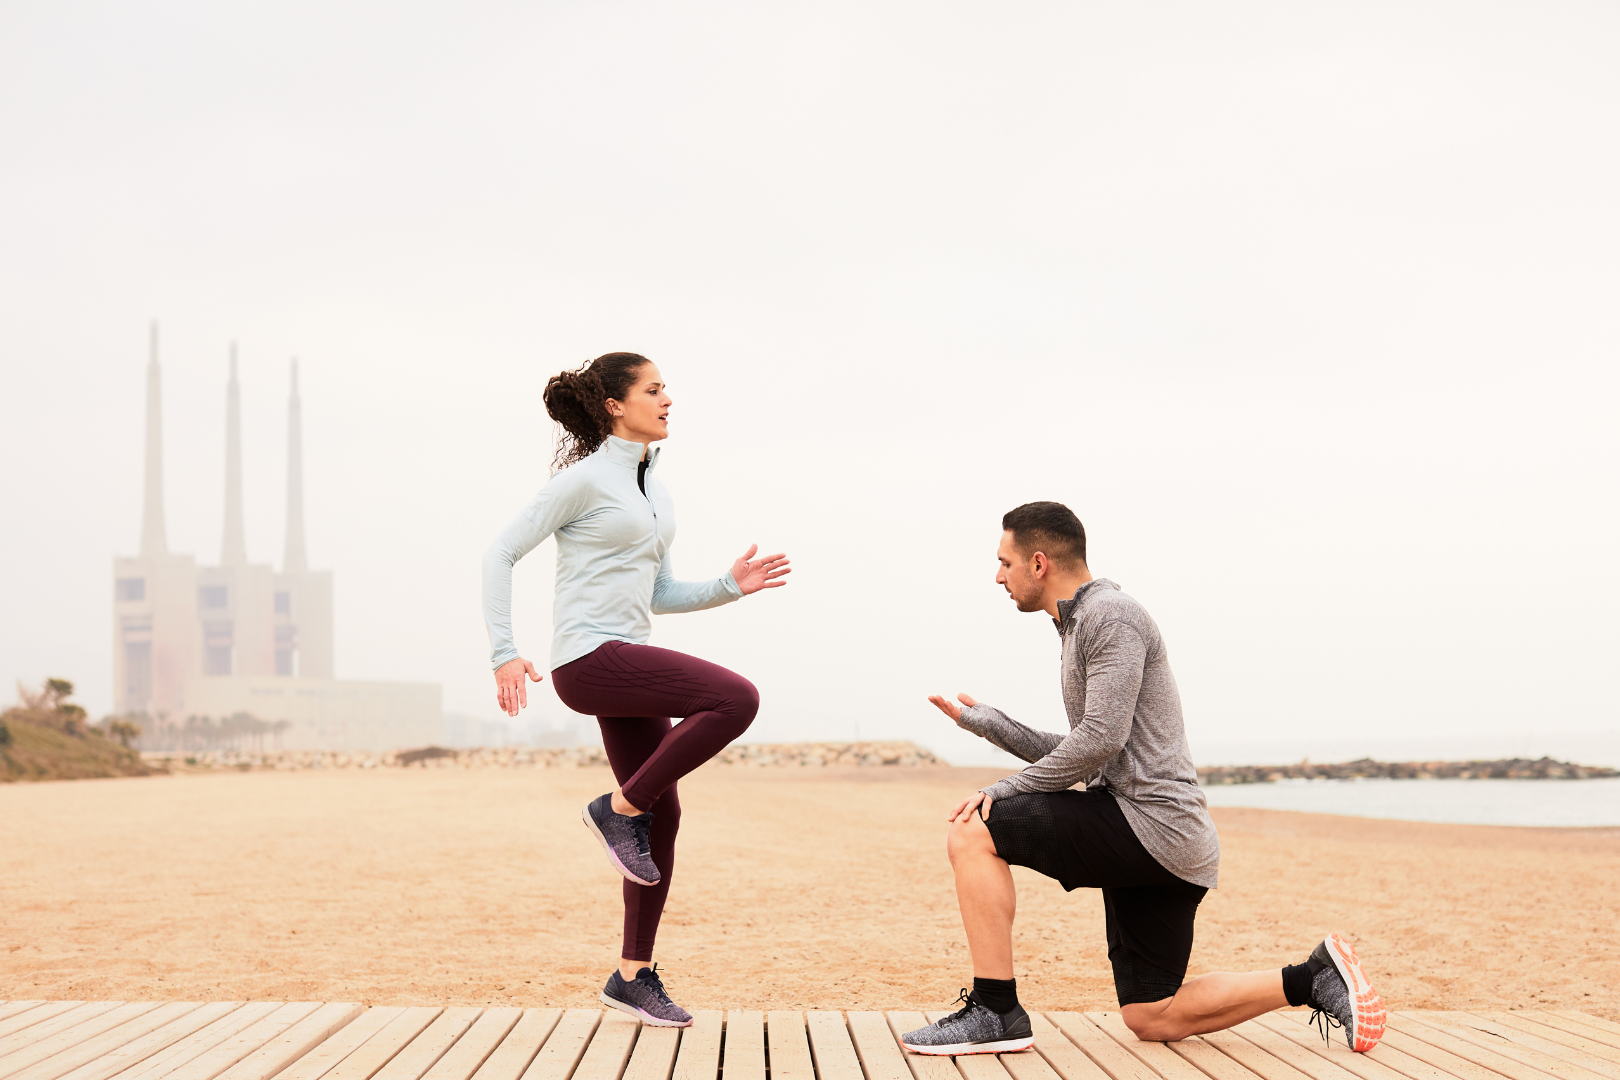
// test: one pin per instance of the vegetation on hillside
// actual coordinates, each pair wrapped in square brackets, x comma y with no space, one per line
[239,731]
[47,737]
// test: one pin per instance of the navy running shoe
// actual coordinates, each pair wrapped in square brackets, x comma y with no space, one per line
[645,999]
[973,1029]
[624,838]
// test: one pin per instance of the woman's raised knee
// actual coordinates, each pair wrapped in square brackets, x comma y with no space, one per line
[741,704]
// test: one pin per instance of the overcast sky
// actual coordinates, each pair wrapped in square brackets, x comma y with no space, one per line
[1307,309]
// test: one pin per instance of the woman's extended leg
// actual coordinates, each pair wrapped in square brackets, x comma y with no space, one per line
[629,741]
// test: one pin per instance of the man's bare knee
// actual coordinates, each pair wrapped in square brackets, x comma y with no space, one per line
[1148,1021]
[968,838]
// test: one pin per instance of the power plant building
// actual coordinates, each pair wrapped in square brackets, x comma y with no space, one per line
[240,637]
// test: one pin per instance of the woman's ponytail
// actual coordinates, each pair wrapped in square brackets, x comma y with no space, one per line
[577,401]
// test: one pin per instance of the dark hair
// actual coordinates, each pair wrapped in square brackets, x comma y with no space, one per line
[1050,528]
[577,401]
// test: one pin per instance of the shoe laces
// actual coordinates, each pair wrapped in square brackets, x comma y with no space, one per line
[967,1006]
[652,979]
[642,826]
[1324,1022]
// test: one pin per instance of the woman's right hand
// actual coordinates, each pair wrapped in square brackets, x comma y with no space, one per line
[510,692]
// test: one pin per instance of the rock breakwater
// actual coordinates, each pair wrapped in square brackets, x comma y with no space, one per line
[760,755]
[1366,768]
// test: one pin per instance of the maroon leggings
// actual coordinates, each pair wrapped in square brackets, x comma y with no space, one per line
[633,690]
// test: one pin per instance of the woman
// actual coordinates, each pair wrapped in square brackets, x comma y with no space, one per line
[614,524]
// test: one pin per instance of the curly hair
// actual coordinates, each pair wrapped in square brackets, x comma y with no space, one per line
[577,401]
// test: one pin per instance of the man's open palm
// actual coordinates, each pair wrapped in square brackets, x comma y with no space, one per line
[949,707]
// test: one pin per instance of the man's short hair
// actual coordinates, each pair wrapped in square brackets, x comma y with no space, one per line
[1047,527]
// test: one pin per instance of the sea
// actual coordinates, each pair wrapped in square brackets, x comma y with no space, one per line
[1556,803]
[1562,803]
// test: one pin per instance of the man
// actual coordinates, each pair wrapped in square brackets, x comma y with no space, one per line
[1139,831]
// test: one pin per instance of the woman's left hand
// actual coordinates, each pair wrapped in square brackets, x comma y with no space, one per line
[753,574]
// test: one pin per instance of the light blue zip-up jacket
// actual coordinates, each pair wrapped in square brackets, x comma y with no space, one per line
[613,565]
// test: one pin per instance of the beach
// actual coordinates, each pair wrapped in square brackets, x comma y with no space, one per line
[795,888]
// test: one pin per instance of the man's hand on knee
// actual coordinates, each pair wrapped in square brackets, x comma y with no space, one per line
[968,835]
[964,809]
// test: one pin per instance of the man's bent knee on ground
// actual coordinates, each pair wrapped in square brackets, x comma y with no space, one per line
[1140,831]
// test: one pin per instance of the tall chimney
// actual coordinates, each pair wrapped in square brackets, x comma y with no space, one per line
[295,560]
[234,550]
[154,542]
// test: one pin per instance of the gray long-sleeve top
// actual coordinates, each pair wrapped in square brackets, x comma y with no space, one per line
[1125,732]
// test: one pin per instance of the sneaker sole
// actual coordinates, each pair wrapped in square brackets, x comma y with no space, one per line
[1000,1046]
[641,1014]
[1367,1010]
[590,823]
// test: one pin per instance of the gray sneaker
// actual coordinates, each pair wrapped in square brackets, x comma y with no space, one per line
[973,1029]
[1341,996]
[645,998]
[624,838]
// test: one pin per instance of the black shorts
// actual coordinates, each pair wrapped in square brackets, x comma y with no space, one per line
[1082,839]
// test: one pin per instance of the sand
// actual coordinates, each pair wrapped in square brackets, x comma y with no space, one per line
[795,888]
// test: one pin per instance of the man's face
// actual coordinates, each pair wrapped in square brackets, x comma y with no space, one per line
[1016,574]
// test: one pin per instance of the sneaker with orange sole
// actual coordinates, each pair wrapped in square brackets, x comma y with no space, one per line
[1342,996]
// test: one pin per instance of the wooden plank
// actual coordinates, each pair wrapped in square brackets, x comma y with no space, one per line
[610,1047]
[1056,1050]
[1500,1045]
[1564,1022]
[321,1060]
[1114,1059]
[12,1008]
[1380,1063]
[880,1055]
[212,1062]
[1155,1055]
[201,1041]
[515,1052]
[49,1046]
[379,1050]
[1560,1030]
[1598,1057]
[71,1057]
[831,1047]
[467,1055]
[426,1049]
[292,1044]
[1421,1041]
[1027,1066]
[922,1066]
[745,1045]
[1251,1057]
[138,1050]
[1590,1020]
[38,1014]
[789,1049]
[562,1051]
[699,1056]
[61,1021]
[654,1056]
[1211,1062]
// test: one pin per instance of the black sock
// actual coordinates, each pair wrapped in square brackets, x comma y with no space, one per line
[1297,980]
[998,995]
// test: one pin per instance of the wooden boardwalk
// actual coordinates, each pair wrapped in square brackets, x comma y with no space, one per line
[311,1040]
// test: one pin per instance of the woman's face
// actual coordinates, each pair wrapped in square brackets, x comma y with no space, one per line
[643,415]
